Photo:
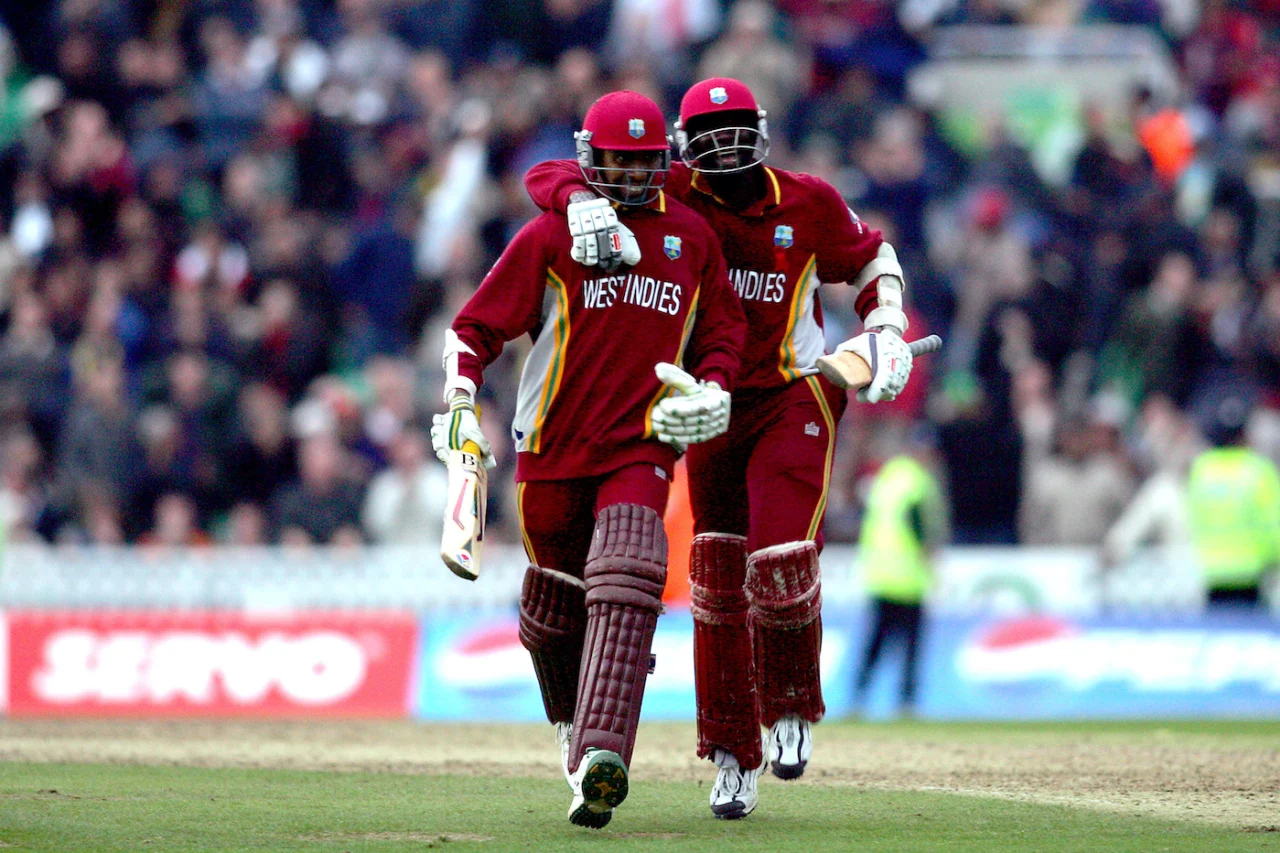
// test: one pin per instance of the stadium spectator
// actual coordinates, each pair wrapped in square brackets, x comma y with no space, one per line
[246,526]
[262,458]
[33,367]
[230,96]
[392,401]
[323,505]
[98,451]
[21,497]
[982,453]
[1155,344]
[893,164]
[843,113]
[200,394]
[281,340]
[175,525]
[95,519]
[1156,517]
[405,504]
[368,63]
[988,263]
[375,282]
[1075,481]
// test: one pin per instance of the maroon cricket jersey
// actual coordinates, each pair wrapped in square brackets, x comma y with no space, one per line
[778,251]
[588,389]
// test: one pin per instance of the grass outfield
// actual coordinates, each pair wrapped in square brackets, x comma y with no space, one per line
[915,787]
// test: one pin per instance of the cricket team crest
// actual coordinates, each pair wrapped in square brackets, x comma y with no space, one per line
[718,95]
[783,236]
[636,128]
[671,245]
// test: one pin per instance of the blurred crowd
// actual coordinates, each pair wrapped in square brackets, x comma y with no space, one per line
[232,233]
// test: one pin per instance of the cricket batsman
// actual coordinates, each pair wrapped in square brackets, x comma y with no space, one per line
[759,491]
[628,366]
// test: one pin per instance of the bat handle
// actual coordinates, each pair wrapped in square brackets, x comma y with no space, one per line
[470,446]
[931,343]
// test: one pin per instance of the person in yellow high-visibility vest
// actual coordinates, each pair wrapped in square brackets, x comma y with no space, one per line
[1233,510]
[904,528]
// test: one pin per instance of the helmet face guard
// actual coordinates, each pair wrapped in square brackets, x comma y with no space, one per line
[721,128]
[725,149]
[628,187]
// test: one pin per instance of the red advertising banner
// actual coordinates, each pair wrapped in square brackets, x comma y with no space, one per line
[210,663]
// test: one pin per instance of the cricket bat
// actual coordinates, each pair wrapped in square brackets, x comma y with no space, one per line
[464,514]
[848,371]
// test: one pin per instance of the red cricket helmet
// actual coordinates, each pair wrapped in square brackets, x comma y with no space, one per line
[721,144]
[627,122]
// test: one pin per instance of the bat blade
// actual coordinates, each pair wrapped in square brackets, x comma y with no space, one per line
[848,371]
[845,370]
[463,536]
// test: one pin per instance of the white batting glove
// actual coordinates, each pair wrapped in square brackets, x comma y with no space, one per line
[599,239]
[699,411]
[890,361]
[452,430]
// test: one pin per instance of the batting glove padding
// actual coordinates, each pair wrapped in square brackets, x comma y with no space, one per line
[890,361]
[698,412]
[599,239]
[451,431]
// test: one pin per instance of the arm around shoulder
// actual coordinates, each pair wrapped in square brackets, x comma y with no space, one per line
[552,183]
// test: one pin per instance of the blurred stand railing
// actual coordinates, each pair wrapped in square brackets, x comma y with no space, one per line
[970,580]
[983,67]
[1035,85]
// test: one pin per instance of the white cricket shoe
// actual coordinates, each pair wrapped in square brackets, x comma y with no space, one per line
[734,794]
[599,786]
[790,747]
[564,734]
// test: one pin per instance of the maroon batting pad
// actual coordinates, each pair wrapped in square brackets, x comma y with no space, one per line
[553,624]
[626,571]
[784,590]
[723,668]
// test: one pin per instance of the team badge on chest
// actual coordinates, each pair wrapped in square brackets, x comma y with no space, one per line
[783,236]
[671,245]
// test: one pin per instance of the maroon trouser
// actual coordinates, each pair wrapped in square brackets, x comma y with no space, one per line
[558,517]
[767,477]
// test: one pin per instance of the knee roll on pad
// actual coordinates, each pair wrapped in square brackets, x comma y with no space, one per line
[717,576]
[553,623]
[784,590]
[627,562]
[625,573]
[723,668]
[783,585]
